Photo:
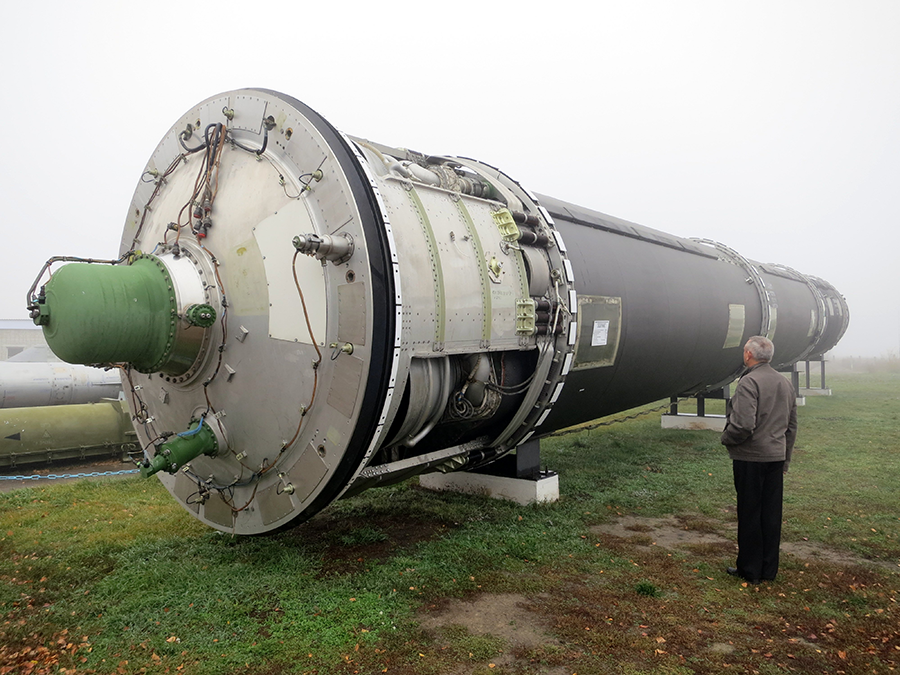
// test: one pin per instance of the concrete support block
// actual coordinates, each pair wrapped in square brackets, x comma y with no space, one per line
[815,392]
[520,490]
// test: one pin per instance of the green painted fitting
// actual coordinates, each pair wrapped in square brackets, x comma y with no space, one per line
[525,316]
[505,222]
[174,454]
[111,313]
[200,315]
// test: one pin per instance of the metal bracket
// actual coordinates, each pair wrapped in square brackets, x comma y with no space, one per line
[821,319]
[766,297]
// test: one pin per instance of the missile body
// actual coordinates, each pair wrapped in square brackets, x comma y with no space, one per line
[304,314]
[44,434]
[25,384]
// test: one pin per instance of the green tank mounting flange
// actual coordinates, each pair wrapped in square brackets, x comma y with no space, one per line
[174,454]
[94,314]
[200,315]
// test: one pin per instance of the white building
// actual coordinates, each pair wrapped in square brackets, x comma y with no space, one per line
[16,335]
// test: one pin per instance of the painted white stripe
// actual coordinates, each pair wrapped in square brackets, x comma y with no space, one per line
[559,240]
[549,219]
[559,388]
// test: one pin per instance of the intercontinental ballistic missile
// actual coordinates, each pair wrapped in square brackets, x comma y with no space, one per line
[25,384]
[45,434]
[301,314]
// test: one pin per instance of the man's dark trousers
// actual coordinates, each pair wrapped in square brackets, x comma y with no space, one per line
[760,488]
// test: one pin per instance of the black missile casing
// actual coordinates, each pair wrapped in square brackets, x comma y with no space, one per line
[671,299]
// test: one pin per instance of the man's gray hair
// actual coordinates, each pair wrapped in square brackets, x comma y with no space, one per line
[761,348]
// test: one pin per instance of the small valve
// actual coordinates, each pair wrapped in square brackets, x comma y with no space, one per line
[346,348]
[285,488]
[495,269]
[338,248]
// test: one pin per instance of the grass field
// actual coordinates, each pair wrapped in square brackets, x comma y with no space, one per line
[625,574]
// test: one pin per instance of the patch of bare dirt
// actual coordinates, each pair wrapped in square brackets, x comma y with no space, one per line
[509,616]
[813,551]
[671,533]
[668,532]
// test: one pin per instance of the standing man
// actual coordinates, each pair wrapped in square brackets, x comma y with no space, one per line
[759,434]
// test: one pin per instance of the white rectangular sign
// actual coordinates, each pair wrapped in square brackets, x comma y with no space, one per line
[600,336]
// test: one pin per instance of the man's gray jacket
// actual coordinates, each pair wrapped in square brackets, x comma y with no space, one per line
[762,419]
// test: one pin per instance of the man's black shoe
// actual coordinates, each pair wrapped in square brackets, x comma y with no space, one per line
[733,571]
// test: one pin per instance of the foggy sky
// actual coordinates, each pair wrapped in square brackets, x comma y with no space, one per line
[772,127]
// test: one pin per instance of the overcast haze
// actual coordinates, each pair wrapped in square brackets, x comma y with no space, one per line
[772,127]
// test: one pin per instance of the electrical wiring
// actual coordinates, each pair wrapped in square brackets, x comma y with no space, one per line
[207,183]
[196,214]
[512,390]
[160,181]
[190,151]
[266,466]
[139,413]
[197,186]
[195,430]
[222,319]
[312,399]
[261,150]
[310,177]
